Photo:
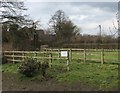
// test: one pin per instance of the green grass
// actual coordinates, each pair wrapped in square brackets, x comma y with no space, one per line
[100,76]
[12,68]
[103,77]
[109,56]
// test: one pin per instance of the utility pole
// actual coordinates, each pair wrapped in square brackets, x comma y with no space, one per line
[100,29]
[100,34]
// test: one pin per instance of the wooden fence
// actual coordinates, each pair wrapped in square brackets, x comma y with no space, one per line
[19,56]
[83,54]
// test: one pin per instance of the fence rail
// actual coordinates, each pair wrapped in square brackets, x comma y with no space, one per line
[99,55]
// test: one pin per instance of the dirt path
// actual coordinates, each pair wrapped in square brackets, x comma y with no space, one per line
[11,82]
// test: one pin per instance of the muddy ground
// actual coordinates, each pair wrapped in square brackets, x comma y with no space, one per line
[12,82]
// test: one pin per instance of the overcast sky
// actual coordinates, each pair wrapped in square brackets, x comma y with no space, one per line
[86,15]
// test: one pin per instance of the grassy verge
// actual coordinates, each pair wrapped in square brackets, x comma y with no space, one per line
[12,68]
[103,77]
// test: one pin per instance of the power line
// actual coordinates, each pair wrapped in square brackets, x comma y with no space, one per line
[110,30]
[112,34]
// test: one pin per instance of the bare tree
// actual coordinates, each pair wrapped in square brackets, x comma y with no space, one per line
[63,27]
[11,12]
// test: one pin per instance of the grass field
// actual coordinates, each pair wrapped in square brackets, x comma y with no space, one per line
[98,76]
[93,56]
[92,72]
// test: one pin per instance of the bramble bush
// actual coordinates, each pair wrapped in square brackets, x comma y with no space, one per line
[30,67]
[44,67]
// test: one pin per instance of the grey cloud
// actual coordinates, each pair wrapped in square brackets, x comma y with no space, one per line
[96,12]
[107,6]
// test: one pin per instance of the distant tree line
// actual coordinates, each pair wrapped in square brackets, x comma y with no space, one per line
[18,31]
[21,33]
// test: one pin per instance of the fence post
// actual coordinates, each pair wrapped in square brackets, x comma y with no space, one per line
[68,61]
[102,56]
[59,53]
[13,58]
[51,50]
[35,55]
[46,51]
[23,54]
[70,54]
[50,57]
[84,55]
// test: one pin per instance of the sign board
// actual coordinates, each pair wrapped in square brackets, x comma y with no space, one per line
[64,53]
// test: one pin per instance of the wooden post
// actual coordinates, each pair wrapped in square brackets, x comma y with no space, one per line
[102,56]
[68,61]
[50,57]
[46,51]
[84,55]
[35,55]
[13,58]
[23,58]
[70,55]
[51,50]
[58,53]
[80,53]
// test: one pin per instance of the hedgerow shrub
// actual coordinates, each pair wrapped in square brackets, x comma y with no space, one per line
[28,67]
[44,67]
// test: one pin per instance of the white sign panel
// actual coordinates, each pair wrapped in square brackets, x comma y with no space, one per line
[64,53]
